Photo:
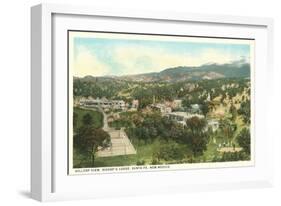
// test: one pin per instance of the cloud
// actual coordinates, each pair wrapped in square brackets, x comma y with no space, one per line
[136,59]
[214,56]
[141,59]
[87,63]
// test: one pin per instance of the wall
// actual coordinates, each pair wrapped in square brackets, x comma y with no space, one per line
[15,78]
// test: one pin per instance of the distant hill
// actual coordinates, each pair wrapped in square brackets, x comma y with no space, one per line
[183,73]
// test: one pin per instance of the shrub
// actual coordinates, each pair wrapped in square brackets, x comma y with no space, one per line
[140,162]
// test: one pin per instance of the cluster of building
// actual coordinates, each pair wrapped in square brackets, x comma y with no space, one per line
[174,111]
[167,106]
[182,117]
[108,104]
[171,109]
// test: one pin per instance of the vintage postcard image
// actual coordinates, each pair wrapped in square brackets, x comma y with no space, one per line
[143,102]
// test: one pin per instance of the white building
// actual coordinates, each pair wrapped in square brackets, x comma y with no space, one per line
[177,103]
[213,124]
[181,117]
[117,104]
[103,103]
[135,103]
[162,108]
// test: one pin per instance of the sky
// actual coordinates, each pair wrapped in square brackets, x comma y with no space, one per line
[120,56]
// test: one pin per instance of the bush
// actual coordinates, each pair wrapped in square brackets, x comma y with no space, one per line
[169,150]
[155,162]
[229,157]
[244,140]
[140,162]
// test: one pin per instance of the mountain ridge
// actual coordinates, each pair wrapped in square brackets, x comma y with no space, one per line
[183,73]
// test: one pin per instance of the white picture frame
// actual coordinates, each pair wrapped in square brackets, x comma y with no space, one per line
[49,178]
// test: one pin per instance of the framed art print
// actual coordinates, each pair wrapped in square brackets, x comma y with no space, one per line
[122,101]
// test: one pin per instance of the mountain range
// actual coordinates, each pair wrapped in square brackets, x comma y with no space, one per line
[237,69]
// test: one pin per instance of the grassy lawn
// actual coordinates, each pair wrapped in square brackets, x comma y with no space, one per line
[96,115]
[143,157]
[144,153]
[210,153]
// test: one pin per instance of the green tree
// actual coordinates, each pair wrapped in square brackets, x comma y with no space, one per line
[233,112]
[245,111]
[144,101]
[205,108]
[195,135]
[169,150]
[244,140]
[88,119]
[228,128]
[88,139]
[223,97]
